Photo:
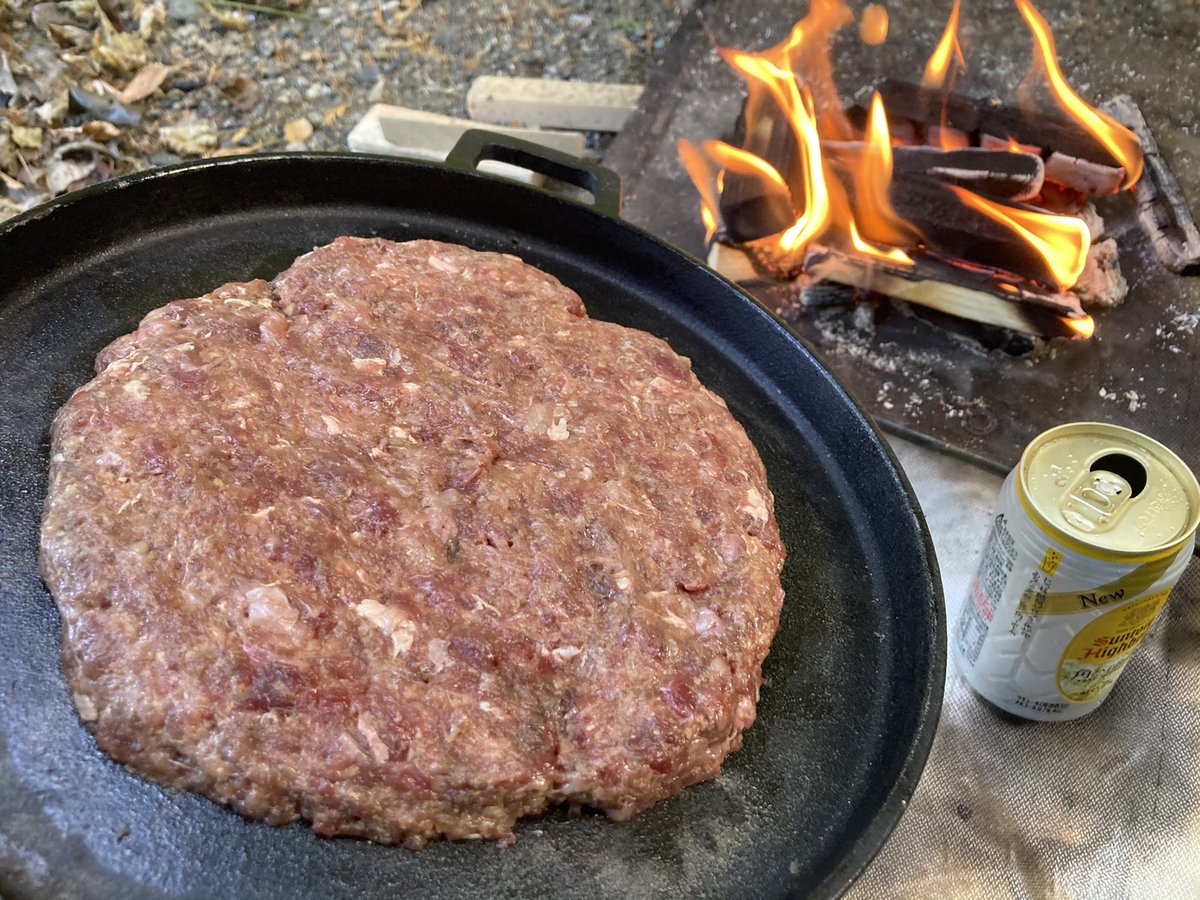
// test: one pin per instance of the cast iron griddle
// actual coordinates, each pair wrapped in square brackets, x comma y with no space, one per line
[854,677]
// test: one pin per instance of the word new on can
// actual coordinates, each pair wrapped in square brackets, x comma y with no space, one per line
[1091,531]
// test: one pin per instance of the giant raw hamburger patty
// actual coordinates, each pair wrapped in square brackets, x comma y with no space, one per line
[405,544]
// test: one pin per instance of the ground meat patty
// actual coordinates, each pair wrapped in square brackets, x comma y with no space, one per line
[405,544]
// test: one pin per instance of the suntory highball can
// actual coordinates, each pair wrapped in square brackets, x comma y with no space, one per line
[1091,531]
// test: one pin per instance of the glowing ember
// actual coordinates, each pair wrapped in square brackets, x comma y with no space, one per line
[1063,241]
[1119,140]
[1085,327]
[937,71]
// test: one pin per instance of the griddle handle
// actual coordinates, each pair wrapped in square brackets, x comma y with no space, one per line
[477,145]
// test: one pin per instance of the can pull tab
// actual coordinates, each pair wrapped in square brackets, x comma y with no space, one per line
[1102,493]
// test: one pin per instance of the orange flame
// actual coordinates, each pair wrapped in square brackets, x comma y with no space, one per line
[734,159]
[872,206]
[894,255]
[1062,241]
[777,76]
[1119,140]
[1085,326]
[705,177]
[937,70]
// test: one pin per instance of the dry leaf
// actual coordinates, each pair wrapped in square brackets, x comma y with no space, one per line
[189,138]
[334,113]
[68,36]
[151,19]
[233,19]
[121,52]
[101,131]
[8,84]
[54,110]
[243,92]
[61,172]
[28,138]
[144,83]
[298,131]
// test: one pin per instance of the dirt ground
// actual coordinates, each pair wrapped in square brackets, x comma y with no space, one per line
[93,89]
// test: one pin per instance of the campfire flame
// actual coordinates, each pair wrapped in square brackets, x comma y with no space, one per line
[1063,241]
[842,195]
[938,72]
[1119,140]
[873,207]
[1085,326]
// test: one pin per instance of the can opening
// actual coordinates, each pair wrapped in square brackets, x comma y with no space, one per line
[1125,466]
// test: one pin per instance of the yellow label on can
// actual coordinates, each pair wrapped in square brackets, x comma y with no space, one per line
[1050,561]
[1068,603]
[1097,655]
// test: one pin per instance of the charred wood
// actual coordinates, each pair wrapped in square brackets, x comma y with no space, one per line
[1162,209]
[997,173]
[1073,156]
[1101,283]
[949,228]
[930,283]
[974,115]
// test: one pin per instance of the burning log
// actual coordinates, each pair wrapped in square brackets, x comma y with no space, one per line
[1162,209]
[997,173]
[952,229]
[1073,156]
[968,294]
[752,208]
[1093,179]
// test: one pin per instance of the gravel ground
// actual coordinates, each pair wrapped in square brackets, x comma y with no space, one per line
[92,89]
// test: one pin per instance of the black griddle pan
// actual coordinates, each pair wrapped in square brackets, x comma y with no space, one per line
[854,678]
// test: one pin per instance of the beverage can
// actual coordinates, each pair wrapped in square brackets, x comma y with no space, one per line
[1091,531]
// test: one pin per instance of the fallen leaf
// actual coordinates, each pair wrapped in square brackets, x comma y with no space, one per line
[243,92]
[54,110]
[68,36]
[297,131]
[119,51]
[62,172]
[101,131]
[334,113]
[233,19]
[189,138]
[8,84]
[144,83]
[26,137]
[151,19]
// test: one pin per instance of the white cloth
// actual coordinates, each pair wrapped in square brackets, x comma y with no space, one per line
[1105,808]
